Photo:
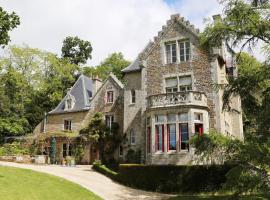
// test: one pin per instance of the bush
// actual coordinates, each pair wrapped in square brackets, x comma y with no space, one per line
[12,149]
[104,170]
[173,179]
[133,156]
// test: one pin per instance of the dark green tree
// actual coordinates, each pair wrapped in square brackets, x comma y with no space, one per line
[77,51]
[7,23]
[245,23]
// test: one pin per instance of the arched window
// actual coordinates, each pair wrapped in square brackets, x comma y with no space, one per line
[132,136]
[133,96]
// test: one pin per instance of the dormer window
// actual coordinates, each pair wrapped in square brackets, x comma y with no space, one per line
[171,52]
[70,101]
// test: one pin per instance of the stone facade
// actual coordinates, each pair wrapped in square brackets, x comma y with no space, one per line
[202,105]
[168,96]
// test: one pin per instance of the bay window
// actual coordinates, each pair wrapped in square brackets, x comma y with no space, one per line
[184,137]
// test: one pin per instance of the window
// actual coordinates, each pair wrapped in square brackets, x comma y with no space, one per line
[109,120]
[67,125]
[64,150]
[160,138]
[132,136]
[133,96]
[171,118]
[184,137]
[110,97]
[171,52]
[171,136]
[120,150]
[199,129]
[69,104]
[70,150]
[183,117]
[184,47]
[198,117]
[185,83]
[171,85]
[149,138]
[160,118]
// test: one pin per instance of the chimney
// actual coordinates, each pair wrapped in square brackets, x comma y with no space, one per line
[97,82]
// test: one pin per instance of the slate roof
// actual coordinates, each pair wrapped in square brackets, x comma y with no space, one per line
[134,66]
[82,92]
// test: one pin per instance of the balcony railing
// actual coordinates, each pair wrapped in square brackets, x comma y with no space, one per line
[177,98]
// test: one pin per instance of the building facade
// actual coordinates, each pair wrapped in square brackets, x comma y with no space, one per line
[169,95]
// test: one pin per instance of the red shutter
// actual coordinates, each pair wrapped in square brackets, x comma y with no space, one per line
[162,138]
[200,130]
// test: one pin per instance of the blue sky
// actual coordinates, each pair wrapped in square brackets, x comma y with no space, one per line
[110,25]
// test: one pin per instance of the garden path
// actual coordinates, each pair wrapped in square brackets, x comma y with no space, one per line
[93,181]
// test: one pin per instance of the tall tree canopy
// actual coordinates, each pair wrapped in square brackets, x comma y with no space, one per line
[7,23]
[32,82]
[113,63]
[245,23]
[77,51]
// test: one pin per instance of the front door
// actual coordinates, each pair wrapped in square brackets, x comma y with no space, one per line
[199,129]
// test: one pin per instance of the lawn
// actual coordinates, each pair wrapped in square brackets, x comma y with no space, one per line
[218,197]
[23,184]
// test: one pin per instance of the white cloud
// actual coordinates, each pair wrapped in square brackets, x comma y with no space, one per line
[110,25]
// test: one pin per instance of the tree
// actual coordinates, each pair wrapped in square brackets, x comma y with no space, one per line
[244,24]
[77,51]
[7,23]
[113,63]
[31,82]
[103,138]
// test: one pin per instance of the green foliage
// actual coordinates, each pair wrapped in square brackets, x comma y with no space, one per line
[173,179]
[32,83]
[113,63]
[133,156]
[78,149]
[104,170]
[12,149]
[7,23]
[244,24]
[103,138]
[77,51]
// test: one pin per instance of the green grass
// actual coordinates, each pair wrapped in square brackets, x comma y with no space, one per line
[218,197]
[23,184]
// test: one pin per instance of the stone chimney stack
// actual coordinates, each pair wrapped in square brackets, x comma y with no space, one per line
[97,82]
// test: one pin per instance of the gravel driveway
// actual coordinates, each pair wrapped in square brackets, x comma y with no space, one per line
[95,182]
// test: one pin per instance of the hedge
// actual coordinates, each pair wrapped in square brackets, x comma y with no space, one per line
[104,170]
[168,178]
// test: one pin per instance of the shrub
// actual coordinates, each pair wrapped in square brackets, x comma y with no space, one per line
[11,149]
[133,156]
[104,170]
[173,179]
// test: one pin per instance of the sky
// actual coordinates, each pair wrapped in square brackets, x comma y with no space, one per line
[110,25]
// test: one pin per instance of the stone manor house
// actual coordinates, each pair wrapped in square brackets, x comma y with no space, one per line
[168,96]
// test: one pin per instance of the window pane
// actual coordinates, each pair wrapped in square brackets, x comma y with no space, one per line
[173,53]
[168,53]
[160,118]
[183,117]
[159,137]
[187,50]
[171,118]
[172,136]
[171,82]
[184,137]
[182,51]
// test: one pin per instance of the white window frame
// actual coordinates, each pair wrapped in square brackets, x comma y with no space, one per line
[111,120]
[132,96]
[132,136]
[170,44]
[184,42]
[69,125]
[110,100]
